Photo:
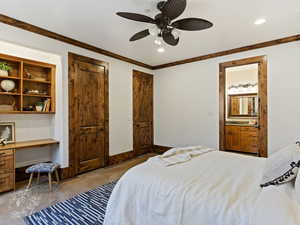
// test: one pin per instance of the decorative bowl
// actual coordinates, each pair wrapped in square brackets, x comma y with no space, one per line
[8,85]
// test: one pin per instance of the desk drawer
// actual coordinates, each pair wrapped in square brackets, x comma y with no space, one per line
[5,153]
[7,164]
[6,182]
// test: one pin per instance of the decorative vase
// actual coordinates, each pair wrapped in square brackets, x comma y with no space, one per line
[39,108]
[3,73]
[8,85]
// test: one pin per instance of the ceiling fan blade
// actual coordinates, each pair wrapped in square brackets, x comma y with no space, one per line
[174,8]
[192,24]
[136,17]
[169,38]
[140,35]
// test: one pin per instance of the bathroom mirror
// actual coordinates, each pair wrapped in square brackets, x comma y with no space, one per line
[243,105]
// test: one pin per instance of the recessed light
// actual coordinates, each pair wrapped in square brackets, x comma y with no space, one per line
[161,49]
[260,21]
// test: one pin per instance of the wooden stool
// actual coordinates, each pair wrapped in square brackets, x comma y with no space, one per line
[43,168]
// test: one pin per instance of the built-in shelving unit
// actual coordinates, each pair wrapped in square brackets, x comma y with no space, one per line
[34,85]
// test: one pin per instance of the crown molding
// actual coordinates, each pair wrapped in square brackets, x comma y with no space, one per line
[41,31]
[231,51]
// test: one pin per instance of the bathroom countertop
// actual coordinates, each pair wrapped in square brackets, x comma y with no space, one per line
[240,124]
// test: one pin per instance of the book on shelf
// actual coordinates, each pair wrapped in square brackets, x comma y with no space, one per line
[44,107]
[47,104]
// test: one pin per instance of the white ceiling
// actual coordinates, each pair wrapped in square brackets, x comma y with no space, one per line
[95,22]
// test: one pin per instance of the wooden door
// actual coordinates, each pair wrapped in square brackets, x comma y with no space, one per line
[142,112]
[262,133]
[88,114]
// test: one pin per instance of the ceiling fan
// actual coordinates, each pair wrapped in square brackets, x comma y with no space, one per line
[163,25]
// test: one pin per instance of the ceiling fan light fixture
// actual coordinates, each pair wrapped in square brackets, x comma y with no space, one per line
[158,41]
[154,30]
[176,33]
[161,49]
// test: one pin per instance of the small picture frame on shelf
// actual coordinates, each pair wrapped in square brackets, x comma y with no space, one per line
[7,132]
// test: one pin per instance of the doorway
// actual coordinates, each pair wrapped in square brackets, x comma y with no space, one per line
[142,86]
[243,106]
[88,114]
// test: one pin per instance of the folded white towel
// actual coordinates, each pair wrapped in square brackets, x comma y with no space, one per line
[171,160]
[180,150]
[179,155]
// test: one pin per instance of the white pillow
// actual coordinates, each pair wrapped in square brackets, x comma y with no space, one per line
[282,166]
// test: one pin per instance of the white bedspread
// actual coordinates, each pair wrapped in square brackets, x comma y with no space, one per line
[216,188]
[277,205]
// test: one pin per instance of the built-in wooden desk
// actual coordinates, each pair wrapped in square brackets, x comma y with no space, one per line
[7,160]
[29,144]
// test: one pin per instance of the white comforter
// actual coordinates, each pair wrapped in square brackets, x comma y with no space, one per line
[216,188]
[277,205]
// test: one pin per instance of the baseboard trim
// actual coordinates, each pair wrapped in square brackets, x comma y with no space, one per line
[160,149]
[67,173]
[119,158]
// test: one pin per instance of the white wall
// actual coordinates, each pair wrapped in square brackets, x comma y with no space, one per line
[120,96]
[187,99]
[234,77]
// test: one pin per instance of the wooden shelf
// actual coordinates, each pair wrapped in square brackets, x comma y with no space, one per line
[29,144]
[42,79]
[10,77]
[25,112]
[9,112]
[35,112]
[37,81]
[9,93]
[36,95]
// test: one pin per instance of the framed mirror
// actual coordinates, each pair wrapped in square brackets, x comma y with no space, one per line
[243,105]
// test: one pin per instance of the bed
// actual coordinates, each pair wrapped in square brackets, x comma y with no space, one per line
[216,188]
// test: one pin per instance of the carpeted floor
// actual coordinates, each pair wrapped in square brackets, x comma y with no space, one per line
[15,205]
[84,209]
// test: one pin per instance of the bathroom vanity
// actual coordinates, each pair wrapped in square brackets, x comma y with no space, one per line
[241,138]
